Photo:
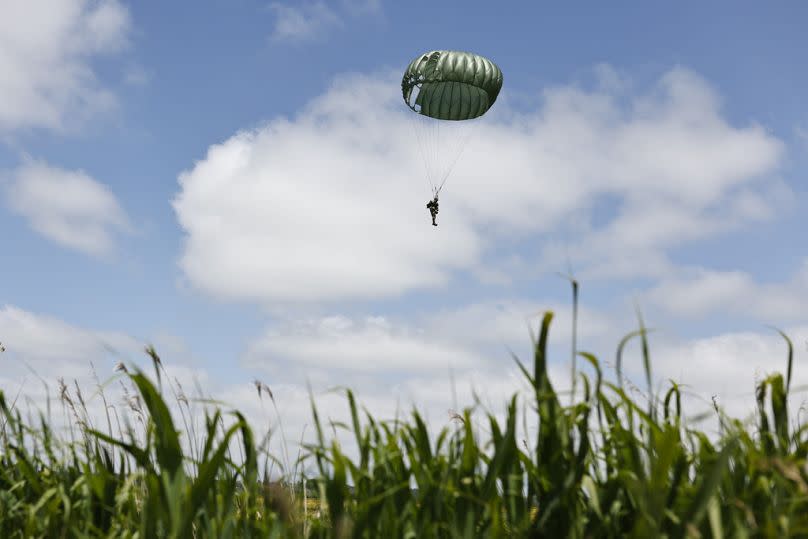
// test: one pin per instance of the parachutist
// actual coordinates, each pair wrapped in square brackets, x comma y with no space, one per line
[447,90]
[432,206]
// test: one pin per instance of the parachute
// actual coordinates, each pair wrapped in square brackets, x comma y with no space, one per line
[447,90]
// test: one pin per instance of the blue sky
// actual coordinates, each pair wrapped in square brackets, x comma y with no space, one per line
[235,182]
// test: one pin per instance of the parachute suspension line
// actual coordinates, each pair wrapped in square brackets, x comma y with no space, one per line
[446,89]
[422,148]
[427,137]
[441,143]
[458,152]
[452,165]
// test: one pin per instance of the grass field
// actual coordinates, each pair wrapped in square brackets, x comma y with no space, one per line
[605,465]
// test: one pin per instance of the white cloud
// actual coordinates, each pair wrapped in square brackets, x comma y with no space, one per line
[471,340]
[369,345]
[67,207]
[306,21]
[433,361]
[361,7]
[330,205]
[46,50]
[697,292]
[54,350]
[509,322]
[727,366]
[318,209]
[680,171]
[433,397]
[311,20]
[390,365]
[42,351]
[802,135]
[136,75]
[53,347]
[634,243]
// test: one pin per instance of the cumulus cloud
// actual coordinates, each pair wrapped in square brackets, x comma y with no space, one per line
[362,6]
[67,207]
[328,205]
[136,75]
[509,322]
[45,355]
[48,348]
[438,362]
[304,21]
[635,242]
[678,171]
[392,365]
[57,351]
[727,367]
[435,398]
[802,135]
[696,292]
[473,339]
[317,209]
[46,52]
[372,344]
[54,347]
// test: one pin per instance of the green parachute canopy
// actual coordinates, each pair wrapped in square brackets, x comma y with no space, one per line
[447,85]
[451,85]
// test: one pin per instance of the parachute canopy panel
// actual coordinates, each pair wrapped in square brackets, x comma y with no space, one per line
[451,85]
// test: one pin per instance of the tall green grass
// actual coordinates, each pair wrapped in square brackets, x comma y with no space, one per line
[602,466]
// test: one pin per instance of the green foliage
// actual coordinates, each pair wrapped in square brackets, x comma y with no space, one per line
[146,492]
[605,466]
